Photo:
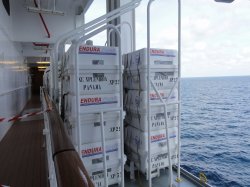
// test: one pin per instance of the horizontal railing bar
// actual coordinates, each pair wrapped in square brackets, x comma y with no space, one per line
[101,110]
[69,167]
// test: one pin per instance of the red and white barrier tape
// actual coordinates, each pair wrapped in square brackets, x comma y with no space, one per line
[18,117]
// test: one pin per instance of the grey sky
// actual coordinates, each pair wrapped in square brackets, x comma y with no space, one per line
[215,36]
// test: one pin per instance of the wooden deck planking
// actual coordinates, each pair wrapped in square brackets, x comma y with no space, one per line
[22,153]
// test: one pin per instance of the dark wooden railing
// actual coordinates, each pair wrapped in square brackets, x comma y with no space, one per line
[70,171]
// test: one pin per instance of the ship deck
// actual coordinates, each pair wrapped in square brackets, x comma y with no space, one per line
[161,181]
[22,158]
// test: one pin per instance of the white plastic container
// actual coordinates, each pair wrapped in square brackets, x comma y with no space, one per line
[159,160]
[139,119]
[101,101]
[96,102]
[162,79]
[91,127]
[113,175]
[137,100]
[91,57]
[137,140]
[92,156]
[97,81]
[159,58]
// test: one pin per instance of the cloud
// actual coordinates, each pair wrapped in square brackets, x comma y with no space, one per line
[215,36]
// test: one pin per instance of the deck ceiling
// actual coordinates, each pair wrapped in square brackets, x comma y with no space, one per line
[60,5]
[28,26]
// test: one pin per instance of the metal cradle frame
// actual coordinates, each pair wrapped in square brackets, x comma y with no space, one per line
[163,103]
[103,111]
[89,27]
[81,34]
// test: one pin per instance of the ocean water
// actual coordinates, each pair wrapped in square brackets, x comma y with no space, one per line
[216,129]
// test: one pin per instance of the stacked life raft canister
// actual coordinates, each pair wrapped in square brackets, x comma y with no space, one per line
[98,88]
[164,77]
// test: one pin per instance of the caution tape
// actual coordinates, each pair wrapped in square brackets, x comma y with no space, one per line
[18,117]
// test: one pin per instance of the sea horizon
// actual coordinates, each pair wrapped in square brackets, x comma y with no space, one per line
[217,76]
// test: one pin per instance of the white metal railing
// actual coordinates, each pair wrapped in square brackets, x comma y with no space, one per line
[80,32]
[163,103]
[120,27]
[101,112]
[46,133]
[60,150]
[148,93]
[179,93]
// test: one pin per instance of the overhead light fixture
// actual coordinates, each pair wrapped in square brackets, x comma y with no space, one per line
[224,1]
[41,70]
[42,67]
[45,11]
[43,62]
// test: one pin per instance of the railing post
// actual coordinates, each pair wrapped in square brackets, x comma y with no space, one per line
[148,93]
[179,92]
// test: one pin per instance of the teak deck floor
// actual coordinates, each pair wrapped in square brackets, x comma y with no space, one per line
[22,152]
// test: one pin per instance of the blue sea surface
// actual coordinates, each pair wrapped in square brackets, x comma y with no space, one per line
[216,129]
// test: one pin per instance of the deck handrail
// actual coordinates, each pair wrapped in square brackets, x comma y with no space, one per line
[69,168]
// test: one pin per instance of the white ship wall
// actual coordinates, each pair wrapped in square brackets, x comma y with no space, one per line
[14,83]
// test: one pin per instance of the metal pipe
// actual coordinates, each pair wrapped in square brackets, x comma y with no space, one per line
[54,76]
[106,110]
[166,124]
[121,110]
[167,134]
[148,93]
[54,3]
[161,104]
[116,11]
[157,92]
[92,25]
[41,17]
[98,22]
[108,17]
[179,91]
[44,24]
[89,29]
[39,4]
[171,91]
[169,150]
[101,20]
[133,23]
[120,26]
[109,34]
[104,151]
[77,100]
